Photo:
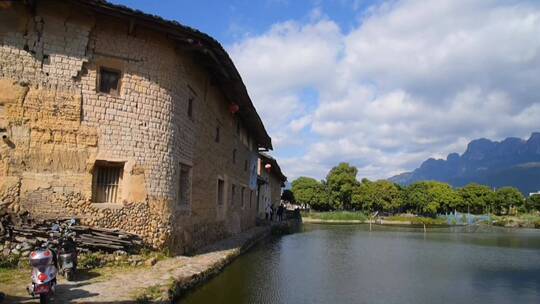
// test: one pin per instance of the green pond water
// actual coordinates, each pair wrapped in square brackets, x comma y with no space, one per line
[349,264]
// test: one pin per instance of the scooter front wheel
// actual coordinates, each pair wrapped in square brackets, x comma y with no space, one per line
[44,298]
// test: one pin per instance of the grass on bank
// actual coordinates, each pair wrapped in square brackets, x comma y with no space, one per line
[359,216]
[526,220]
[336,216]
[416,220]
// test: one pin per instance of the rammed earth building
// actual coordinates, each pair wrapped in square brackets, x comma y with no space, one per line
[124,120]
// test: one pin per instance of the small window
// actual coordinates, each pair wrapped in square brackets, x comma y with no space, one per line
[217,135]
[190,107]
[109,81]
[233,194]
[242,194]
[234,156]
[245,165]
[184,188]
[220,191]
[107,177]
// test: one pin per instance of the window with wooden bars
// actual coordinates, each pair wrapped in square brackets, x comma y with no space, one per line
[107,178]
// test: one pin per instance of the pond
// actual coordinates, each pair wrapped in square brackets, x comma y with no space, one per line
[350,264]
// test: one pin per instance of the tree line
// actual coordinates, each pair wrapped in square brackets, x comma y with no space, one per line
[342,191]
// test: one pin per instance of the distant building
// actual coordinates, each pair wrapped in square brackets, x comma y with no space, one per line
[270,182]
[534,193]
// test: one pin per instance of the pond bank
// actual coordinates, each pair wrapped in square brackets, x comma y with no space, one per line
[163,282]
[507,221]
[374,222]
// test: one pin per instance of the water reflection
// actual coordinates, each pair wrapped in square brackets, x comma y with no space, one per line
[350,264]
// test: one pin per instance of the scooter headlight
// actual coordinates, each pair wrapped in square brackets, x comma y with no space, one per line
[42,277]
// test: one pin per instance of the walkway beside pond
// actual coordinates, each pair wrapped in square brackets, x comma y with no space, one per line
[166,280]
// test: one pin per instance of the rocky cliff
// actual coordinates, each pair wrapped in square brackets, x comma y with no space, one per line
[511,162]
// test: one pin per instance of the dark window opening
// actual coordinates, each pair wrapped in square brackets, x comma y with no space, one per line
[190,107]
[242,194]
[238,127]
[107,177]
[233,194]
[109,81]
[234,156]
[220,191]
[184,185]
[245,165]
[217,135]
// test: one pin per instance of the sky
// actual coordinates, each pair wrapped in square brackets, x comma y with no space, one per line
[380,84]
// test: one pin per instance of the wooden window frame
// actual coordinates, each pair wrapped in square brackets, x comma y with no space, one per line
[105,190]
[98,79]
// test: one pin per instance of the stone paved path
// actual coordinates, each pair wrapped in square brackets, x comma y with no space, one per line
[122,287]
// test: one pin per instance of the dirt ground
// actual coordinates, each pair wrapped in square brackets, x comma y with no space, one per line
[131,284]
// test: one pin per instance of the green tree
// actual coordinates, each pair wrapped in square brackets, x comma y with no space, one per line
[533,203]
[288,196]
[476,198]
[381,195]
[309,191]
[430,197]
[341,181]
[507,198]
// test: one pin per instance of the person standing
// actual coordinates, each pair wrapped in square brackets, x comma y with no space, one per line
[280,212]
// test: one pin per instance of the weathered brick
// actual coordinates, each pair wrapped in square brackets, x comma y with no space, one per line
[60,125]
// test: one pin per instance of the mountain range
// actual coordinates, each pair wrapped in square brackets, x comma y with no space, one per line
[512,162]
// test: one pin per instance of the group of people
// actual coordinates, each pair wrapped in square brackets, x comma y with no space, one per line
[272,213]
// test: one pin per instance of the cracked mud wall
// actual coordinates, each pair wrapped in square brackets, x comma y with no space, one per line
[55,125]
[58,126]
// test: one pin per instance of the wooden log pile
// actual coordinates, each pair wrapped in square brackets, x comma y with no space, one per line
[87,238]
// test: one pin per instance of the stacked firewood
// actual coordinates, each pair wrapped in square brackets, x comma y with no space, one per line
[87,238]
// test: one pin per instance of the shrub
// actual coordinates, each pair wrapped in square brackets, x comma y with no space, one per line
[9,261]
[91,261]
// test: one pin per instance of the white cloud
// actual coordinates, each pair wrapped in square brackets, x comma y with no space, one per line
[414,79]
